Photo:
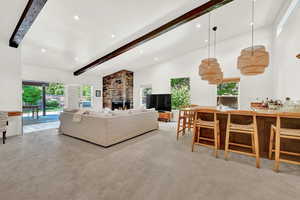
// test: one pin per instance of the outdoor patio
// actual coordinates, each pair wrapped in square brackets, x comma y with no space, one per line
[50,117]
[30,124]
[40,127]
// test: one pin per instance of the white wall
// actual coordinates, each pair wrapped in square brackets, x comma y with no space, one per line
[72,98]
[34,73]
[286,47]
[10,85]
[10,78]
[201,92]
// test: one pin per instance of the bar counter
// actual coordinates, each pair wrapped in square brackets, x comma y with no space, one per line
[14,113]
[265,118]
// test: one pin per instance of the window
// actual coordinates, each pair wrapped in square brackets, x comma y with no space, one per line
[180,89]
[86,96]
[55,97]
[228,94]
[144,92]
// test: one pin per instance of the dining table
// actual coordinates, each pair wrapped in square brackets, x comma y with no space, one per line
[34,110]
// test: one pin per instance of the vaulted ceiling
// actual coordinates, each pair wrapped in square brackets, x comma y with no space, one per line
[10,12]
[70,34]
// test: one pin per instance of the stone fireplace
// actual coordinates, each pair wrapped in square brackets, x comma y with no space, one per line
[120,105]
[118,90]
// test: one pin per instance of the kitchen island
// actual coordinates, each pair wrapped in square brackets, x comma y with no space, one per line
[265,119]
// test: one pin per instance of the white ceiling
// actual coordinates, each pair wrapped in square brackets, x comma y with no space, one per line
[10,13]
[71,44]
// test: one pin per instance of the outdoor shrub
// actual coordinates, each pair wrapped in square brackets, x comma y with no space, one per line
[31,95]
[180,89]
[52,103]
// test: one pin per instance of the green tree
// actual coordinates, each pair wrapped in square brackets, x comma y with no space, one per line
[52,103]
[180,97]
[179,82]
[228,89]
[32,94]
[180,89]
[87,92]
[55,89]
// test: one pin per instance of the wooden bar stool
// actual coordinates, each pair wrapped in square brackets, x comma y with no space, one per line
[249,129]
[204,124]
[278,133]
[185,119]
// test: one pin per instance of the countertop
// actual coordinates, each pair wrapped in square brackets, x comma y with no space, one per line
[258,112]
[13,113]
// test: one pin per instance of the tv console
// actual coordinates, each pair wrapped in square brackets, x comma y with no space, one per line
[164,116]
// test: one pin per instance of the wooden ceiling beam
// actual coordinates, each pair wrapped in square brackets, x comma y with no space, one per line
[197,12]
[231,80]
[29,15]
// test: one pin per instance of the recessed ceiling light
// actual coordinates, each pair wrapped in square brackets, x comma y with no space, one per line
[113,36]
[206,41]
[76,17]
[43,50]
[156,59]
[198,25]
[76,59]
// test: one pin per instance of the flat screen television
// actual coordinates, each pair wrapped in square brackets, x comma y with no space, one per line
[161,102]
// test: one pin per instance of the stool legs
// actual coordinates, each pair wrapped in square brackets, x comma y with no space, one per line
[271,143]
[4,137]
[216,139]
[216,136]
[254,141]
[183,126]
[277,152]
[178,128]
[184,122]
[195,135]
[189,124]
[227,139]
[256,145]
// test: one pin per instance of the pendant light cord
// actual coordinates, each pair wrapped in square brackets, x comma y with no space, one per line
[215,39]
[209,15]
[252,25]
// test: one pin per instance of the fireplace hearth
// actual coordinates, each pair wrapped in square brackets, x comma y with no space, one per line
[120,105]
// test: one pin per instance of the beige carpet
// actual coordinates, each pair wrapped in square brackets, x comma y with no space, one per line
[151,167]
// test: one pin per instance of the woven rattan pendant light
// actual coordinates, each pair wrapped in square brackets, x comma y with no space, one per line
[210,68]
[255,59]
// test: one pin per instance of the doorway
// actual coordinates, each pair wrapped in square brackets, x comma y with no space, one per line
[42,105]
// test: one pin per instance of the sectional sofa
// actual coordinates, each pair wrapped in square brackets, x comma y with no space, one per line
[106,129]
